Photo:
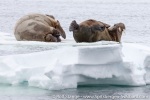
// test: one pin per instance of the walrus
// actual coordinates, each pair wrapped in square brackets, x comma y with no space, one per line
[90,31]
[38,27]
[116,31]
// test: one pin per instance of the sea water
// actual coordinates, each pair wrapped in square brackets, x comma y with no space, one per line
[135,14]
[24,92]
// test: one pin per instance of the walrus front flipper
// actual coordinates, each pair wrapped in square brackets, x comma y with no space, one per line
[73,26]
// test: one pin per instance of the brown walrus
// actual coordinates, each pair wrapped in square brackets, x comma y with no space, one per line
[39,27]
[90,31]
[116,31]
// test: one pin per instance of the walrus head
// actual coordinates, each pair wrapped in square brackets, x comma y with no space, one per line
[56,25]
[50,38]
[53,37]
[116,31]
[57,35]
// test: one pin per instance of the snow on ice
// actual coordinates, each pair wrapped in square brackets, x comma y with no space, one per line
[69,64]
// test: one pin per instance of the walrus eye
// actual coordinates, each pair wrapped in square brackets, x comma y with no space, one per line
[102,28]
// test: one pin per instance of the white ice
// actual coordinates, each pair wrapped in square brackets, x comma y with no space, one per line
[69,64]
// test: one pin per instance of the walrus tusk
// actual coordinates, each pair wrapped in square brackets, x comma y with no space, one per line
[124,31]
[111,28]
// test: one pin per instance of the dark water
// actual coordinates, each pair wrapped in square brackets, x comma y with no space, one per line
[23,92]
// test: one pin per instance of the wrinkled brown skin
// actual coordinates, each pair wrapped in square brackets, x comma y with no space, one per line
[38,27]
[116,31]
[90,31]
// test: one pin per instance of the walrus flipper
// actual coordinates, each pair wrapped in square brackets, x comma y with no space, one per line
[73,26]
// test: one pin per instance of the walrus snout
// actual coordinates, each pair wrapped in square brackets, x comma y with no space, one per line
[50,38]
[73,26]
[116,31]
[56,33]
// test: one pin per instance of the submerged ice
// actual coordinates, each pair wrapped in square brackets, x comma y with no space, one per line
[69,64]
